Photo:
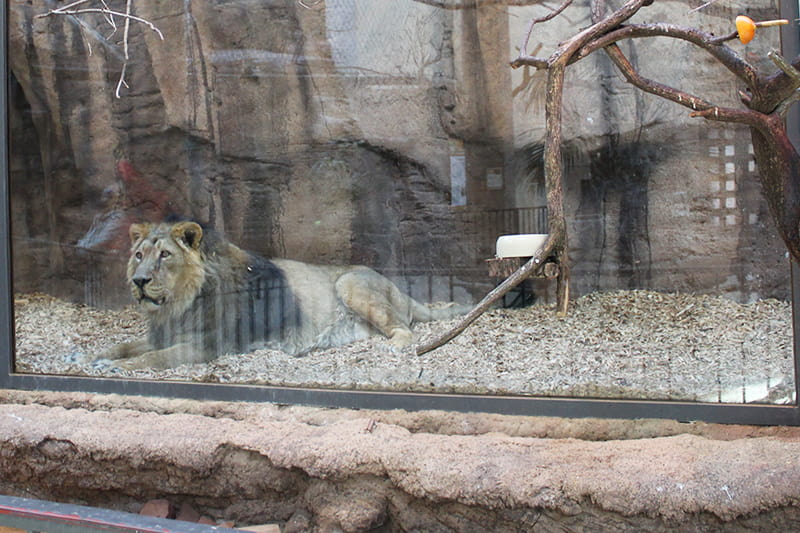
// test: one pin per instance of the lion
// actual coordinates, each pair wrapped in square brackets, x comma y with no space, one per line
[204,297]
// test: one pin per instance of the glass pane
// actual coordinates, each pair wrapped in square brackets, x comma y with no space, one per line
[200,210]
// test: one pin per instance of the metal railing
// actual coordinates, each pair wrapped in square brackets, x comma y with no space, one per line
[484,226]
[52,517]
[494,222]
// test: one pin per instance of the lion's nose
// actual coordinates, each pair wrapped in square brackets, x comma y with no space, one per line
[141,282]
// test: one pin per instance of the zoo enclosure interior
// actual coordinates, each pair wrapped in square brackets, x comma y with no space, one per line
[345,134]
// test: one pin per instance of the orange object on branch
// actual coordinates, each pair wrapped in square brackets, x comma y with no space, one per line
[746,27]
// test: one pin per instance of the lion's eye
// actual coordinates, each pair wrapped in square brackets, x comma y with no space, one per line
[138,255]
[165,254]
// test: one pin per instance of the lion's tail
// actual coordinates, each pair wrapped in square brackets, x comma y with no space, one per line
[437,311]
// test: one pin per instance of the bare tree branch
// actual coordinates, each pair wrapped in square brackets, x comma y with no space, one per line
[311,5]
[776,89]
[530,61]
[523,48]
[699,106]
[126,32]
[567,49]
[695,103]
[121,82]
[779,162]
[725,55]
[73,10]
[556,244]
[784,106]
[103,10]
[702,6]
[110,18]
[557,239]
[554,177]
[754,119]
[781,63]
[777,158]
[473,4]
[533,264]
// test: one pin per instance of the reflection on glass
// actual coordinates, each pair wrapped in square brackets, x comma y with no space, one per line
[202,225]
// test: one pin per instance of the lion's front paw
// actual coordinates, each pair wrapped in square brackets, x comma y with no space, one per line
[401,338]
[398,343]
[126,350]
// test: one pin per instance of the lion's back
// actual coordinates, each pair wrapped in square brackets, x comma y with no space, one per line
[325,321]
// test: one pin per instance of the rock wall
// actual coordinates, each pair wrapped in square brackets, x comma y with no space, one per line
[248,127]
[343,133]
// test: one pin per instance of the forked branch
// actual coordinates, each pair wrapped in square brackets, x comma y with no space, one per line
[75,9]
[556,244]
[109,13]
[526,270]
[523,49]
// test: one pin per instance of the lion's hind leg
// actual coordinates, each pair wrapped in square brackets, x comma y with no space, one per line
[378,301]
[120,354]
[126,350]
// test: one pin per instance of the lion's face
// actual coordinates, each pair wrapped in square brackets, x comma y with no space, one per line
[165,269]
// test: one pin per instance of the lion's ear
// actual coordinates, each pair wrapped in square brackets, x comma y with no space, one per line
[189,233]
[138,232]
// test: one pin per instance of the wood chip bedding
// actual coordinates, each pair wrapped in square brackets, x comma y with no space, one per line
[629,344]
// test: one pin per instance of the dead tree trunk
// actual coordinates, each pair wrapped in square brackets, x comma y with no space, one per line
[770,96]
[556,245]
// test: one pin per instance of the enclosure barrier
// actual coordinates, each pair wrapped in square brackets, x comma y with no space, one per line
[491,223]
[51,517]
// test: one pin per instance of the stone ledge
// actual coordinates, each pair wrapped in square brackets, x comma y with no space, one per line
[258,463]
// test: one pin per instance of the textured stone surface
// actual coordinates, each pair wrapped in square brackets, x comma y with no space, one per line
[240,118]
[327,134]
[258,463]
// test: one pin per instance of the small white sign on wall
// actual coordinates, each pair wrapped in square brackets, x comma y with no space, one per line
[458,180]
[494,178]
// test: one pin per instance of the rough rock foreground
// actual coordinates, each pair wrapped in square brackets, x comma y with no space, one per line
[340,470]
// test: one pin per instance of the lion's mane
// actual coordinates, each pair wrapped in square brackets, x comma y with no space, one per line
[207,292]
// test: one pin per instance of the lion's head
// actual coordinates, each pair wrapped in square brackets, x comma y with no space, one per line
[166,268]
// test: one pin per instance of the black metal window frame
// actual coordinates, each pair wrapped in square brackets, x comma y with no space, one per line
[53,517]
[512,405]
